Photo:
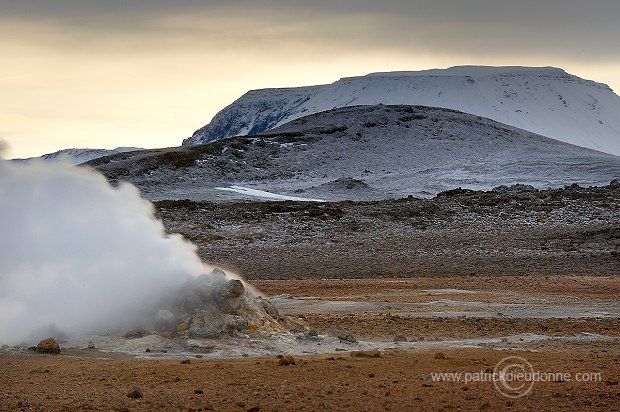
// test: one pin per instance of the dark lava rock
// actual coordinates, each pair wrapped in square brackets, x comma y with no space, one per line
[440,355]
[514,189]
[346,183]
[455,192]
[135,393]
[400,338]
[48,345]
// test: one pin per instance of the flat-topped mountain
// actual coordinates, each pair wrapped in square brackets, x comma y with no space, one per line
[547,101]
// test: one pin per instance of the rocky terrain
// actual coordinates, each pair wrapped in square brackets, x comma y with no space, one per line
[363,153]
[509,230]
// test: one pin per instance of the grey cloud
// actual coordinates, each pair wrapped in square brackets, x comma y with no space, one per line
[567,28]
[549,12]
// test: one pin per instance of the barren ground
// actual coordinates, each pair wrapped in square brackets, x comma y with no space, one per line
[400,379]
[475,276]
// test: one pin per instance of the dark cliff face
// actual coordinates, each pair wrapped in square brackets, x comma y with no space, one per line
[254,112]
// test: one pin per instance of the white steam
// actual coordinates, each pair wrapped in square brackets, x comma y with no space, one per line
[80,254]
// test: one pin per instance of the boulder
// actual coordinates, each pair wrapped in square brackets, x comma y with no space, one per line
[341,334]
[233,289]
[48,345]
[286,360]
[135,393]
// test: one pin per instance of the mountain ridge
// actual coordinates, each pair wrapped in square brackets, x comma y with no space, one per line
[75,156]
[544,100]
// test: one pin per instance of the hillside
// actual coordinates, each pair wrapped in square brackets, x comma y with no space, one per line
[363,153]
[546,101]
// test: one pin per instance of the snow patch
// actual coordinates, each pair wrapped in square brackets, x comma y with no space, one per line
[266,195]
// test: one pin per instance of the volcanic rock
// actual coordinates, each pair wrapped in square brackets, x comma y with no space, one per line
[268,307]
[135,393]
[294,325]
[341,334]
[48,345]
[233,289]
[286,360]
[400,338]
[212,305]
[212,324]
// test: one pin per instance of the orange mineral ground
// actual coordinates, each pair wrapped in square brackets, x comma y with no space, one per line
[575,349]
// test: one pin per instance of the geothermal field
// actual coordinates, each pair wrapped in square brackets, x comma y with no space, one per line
[406,304]
[317,249]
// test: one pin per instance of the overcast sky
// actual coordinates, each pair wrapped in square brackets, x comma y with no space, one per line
[147,73]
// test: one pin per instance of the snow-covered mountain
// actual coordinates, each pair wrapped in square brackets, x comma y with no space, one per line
[77,156]
[362,152]
[547,101]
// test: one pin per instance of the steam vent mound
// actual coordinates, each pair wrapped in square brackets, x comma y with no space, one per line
[213,306]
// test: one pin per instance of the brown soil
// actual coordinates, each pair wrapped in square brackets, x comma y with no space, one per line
[400,379]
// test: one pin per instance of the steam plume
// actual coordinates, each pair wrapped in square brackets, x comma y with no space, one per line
[80,254]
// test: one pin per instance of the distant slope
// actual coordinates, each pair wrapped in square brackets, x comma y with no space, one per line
[546,101]
[364,152]
[77,156]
